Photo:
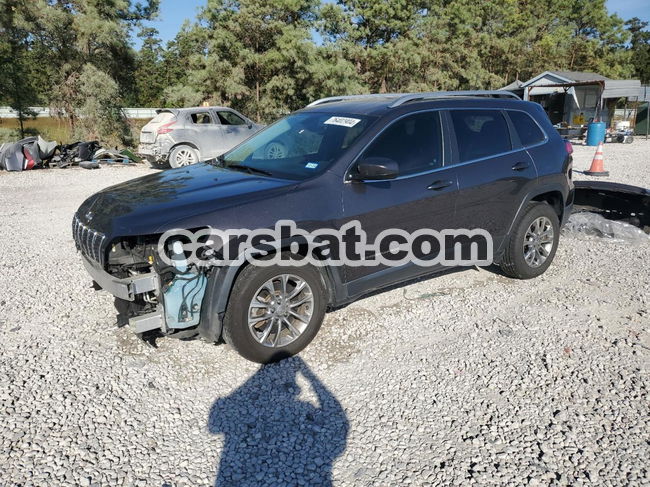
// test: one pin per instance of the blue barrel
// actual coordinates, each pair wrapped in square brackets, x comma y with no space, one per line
[596,133]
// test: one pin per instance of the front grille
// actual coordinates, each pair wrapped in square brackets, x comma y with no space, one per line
[88,241]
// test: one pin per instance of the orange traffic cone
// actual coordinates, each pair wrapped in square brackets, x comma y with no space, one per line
[597,168]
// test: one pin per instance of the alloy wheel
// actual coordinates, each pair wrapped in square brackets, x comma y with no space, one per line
[538,241]
[185,157]
[280,310]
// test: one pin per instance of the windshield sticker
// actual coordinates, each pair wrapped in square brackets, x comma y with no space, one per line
[342,121]
[311,165]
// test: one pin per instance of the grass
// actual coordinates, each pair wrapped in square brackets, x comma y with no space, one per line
[49,128]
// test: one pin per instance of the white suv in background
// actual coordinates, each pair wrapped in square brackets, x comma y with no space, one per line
[183,136]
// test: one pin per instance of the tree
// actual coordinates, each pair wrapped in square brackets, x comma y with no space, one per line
[640,47]
[56,40]
[148,75]
[253,46]
[259,57]
[16,86]
[99,108]
[379,38]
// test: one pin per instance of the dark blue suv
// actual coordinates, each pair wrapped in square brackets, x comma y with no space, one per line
[407,162]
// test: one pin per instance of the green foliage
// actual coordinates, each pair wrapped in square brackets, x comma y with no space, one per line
[259,56]
[149,82]
[16,86]
[640,48]
[9,135]
[64,53]
[100,115]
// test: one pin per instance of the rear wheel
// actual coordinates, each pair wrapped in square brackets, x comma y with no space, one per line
[274,312]
[533,242]
[183,155]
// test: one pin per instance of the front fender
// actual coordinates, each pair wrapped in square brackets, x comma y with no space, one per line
[221,281]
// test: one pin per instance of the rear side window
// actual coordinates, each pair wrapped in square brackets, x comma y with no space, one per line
[528,131]
[201,118]
[229,118]
[480,133]
[414,142]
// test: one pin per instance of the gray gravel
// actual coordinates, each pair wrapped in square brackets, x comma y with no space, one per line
[466,378]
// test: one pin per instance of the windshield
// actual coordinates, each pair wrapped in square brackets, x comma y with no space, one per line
[298,146]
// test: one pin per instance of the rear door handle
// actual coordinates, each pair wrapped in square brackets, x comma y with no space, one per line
[520,166]
[441,184]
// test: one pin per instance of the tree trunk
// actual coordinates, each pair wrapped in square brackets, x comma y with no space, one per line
[257,99]
[20,121]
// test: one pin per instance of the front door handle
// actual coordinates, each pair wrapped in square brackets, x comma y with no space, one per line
[520,166]
[441,184]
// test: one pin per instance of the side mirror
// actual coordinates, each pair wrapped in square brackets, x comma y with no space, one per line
[250,124]
[376,168]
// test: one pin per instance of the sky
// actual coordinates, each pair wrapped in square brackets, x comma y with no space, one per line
[174,12]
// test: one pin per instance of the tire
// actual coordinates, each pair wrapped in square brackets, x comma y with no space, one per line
[249,341]
[530,238]
[183,155]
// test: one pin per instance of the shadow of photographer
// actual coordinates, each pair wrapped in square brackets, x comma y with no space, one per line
[281,427]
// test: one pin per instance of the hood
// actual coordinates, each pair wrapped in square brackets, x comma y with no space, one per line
[158,202]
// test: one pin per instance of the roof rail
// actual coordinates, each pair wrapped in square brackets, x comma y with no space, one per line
[332,99]
[408,97]
[444,94]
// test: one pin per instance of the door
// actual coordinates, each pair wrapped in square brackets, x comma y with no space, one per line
[207,133]
[492,176]
[235,128]
[422,196]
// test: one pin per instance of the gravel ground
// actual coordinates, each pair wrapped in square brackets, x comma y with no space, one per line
[626,163]
[466,378]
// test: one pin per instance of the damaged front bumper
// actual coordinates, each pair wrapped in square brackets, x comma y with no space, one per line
[614,201]
[128,289]
[122,288]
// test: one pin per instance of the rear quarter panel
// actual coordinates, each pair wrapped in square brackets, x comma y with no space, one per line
[552,163]
[551,159]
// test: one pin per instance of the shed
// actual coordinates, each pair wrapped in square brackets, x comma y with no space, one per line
[575,97]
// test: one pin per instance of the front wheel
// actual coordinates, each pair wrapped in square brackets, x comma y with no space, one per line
[532,244]
[274,312]
[183,155]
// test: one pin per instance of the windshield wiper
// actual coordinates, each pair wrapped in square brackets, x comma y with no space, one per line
[248,169]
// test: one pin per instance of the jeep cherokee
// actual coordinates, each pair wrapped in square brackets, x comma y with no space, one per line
[407,161]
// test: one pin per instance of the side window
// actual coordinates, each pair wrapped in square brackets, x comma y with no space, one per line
[528,131]
[201,118]
[414,142]
[480,133]
[229,118]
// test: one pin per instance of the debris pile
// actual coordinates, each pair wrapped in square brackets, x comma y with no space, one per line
[599,226]
[26,154]
[36,153]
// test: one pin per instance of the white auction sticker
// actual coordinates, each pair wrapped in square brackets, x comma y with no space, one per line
[342,121]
